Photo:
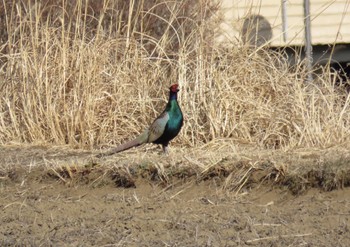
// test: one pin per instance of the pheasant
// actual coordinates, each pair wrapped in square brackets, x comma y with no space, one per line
[163,129]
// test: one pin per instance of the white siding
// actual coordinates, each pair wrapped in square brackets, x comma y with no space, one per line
[330,20]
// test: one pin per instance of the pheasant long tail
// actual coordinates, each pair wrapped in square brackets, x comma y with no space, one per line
[141,139]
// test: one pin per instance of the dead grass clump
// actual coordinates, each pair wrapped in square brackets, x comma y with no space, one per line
[96,74]
[327,175]
[71,174]
[93,176]
[332,175]
[122,179]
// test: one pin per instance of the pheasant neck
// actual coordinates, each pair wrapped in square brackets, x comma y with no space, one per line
[172,96]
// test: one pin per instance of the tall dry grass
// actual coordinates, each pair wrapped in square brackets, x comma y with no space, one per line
[91,74]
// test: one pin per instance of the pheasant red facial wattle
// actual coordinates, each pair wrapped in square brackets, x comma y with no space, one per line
[174,88]
[163,129]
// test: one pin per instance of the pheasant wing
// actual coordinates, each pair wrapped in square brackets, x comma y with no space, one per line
[157,128]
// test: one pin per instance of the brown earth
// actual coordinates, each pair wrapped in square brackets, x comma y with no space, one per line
[67,198]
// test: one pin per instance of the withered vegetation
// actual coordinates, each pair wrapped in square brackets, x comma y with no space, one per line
[93,74]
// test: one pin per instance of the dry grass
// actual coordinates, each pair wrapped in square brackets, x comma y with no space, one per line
[102,76]
[223,167]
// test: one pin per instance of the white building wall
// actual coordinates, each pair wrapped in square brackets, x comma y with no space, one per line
[330,20]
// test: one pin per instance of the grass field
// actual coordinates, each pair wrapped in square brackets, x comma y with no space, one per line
[79,76]
[101,75]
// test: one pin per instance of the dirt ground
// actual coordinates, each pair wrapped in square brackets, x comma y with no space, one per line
[43,204]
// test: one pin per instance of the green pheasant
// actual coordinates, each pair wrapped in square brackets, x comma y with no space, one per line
[163,129]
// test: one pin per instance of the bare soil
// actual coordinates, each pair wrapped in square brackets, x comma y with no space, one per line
[62,197]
